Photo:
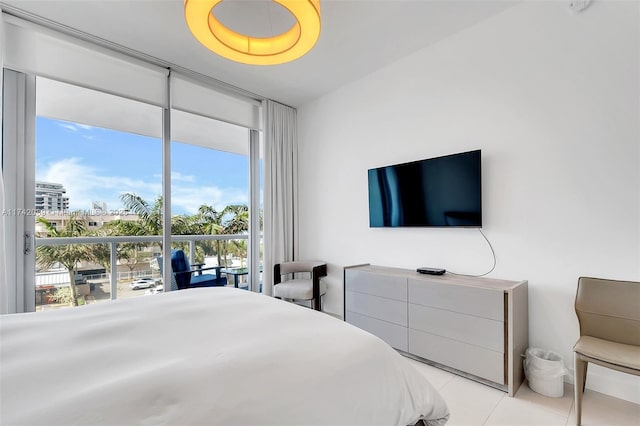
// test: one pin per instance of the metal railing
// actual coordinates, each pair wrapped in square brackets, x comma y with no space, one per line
[114,241]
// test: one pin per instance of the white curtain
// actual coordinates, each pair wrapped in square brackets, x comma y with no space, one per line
[280,188]
[4,304]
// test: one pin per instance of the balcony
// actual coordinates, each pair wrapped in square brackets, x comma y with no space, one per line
[95,283]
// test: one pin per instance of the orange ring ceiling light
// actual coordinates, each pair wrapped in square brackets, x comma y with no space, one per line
[285,47]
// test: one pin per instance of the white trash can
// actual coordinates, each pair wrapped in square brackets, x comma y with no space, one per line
[545,372]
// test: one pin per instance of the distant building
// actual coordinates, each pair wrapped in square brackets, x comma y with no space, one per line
[51,197]
[93,221]
[98,207]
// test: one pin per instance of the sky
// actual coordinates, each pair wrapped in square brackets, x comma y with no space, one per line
[96,164]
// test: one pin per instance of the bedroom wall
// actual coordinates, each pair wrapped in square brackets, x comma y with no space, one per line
[552,99]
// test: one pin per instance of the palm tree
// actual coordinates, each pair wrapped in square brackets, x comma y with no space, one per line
[239,249]
[130,252]
[239,222]
[187,225]
[210,222]
[149,216]
[233,219]
[69,255]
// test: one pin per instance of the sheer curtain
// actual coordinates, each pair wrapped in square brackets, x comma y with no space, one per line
[280,188]
[4,304]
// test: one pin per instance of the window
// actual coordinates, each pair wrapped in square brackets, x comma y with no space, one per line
[107,95]
[84,155]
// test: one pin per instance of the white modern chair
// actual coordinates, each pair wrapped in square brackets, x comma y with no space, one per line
[300,288]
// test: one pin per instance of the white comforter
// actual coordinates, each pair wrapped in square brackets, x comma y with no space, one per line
[207,356]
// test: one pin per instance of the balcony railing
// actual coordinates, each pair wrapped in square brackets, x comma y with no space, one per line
[113,241]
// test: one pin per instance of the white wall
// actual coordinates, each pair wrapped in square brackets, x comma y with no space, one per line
[552,99]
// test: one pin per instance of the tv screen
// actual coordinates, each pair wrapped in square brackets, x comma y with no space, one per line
[439,192]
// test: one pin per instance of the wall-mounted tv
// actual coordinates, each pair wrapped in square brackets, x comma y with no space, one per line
[436,192]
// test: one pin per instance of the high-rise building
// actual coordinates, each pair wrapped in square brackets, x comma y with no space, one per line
[51,197]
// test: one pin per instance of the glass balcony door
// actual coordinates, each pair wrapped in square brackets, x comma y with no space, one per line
[86,187]
[96,154]
[211,194]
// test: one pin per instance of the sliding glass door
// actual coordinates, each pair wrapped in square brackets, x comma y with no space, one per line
[85,184]
[211,195]
[95,154]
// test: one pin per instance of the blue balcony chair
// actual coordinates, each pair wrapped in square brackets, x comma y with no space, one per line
[185,277]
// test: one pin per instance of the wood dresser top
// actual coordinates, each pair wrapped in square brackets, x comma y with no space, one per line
[447,278]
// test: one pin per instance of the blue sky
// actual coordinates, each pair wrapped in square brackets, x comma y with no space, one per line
[96,164]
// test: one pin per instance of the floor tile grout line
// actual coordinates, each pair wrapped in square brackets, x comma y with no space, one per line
[451,379]
[494,408]
[573,401]
[547,408]
[538,405]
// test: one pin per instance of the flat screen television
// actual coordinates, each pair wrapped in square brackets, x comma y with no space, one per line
[436,192]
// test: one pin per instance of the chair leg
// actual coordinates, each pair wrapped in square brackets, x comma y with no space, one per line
[580,371]
[584,375]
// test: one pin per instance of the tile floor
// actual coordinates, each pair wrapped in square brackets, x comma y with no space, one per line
[474,404]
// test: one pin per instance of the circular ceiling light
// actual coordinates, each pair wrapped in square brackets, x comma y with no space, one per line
[285,47]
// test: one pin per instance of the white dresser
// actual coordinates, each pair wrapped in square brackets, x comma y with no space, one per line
[477,327]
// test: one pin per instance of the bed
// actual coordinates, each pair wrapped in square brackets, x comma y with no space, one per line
[205,356]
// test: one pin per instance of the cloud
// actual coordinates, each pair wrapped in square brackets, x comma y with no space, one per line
[85,184]
[190,198]
[70,127]
[74,127]
[177,176]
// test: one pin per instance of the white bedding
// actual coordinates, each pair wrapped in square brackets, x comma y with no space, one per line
[205,356]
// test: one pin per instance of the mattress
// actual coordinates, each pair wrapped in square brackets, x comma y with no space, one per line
[204,356]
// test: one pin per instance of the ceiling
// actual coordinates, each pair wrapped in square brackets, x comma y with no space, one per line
[357,38]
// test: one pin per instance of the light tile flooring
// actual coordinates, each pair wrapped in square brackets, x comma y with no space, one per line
[474,404]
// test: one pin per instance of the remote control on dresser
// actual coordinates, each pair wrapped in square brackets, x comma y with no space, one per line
[431,271]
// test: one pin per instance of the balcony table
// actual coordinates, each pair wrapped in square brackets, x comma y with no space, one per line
[237,272]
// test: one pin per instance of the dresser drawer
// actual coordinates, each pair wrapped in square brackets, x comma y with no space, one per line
[470,359]
[482,332]
[377,307]
[395,335]
[389,286]
[481,302]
